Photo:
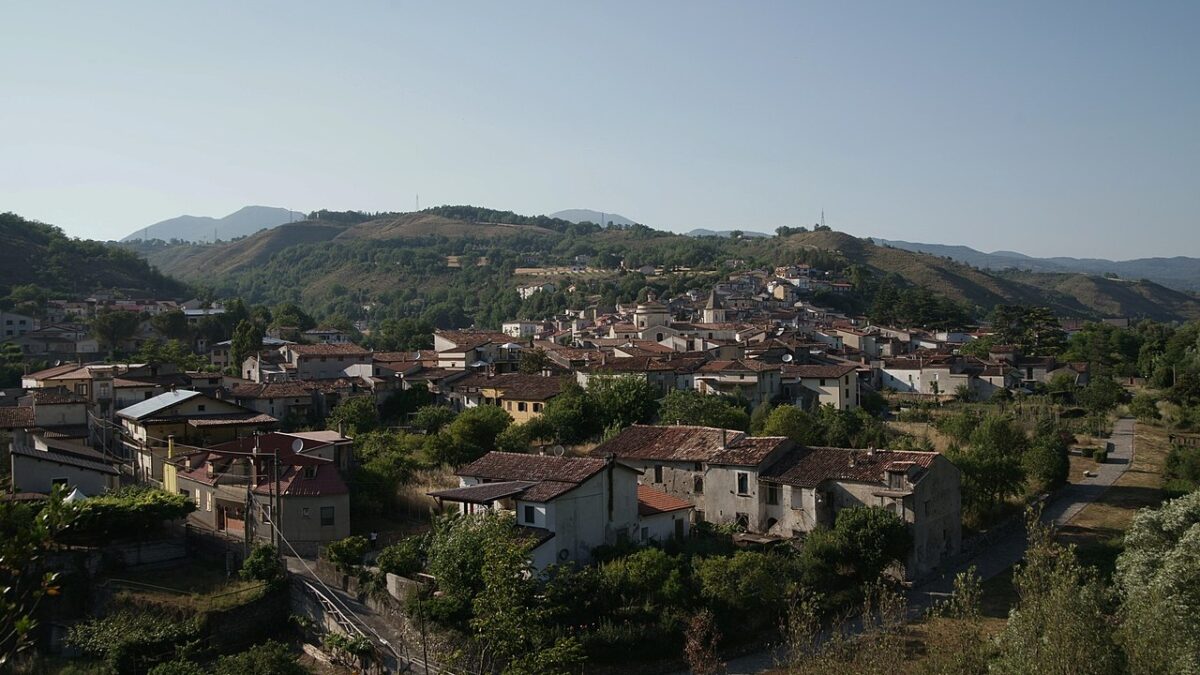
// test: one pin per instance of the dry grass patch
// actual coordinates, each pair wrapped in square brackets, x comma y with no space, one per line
[924,430]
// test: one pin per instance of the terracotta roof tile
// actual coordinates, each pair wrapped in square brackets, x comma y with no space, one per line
[681,443]
[809,467]
[16,417]
[651,502]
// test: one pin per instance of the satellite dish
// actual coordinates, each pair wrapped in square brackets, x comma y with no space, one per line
[297,445]
[787,358]
[558,450]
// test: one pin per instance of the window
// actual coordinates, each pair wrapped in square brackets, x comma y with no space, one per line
[847,379]
[310,472]
[208,501]
[773,495]
[537,407]
[645,533]
[679,528]
[201,407]
[699,515]
[326,516]
[743,483]
[658,473]
[520,406]
[530,514]
[305,512]
[698,485]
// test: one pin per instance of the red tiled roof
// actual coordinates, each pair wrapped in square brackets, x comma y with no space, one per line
[464,340]
[681,443]
[517,466]
[809,467]
[750,364]
[16,417]
[651,502]
[272,390]
[343,349]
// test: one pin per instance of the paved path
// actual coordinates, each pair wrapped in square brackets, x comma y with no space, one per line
[1007,550]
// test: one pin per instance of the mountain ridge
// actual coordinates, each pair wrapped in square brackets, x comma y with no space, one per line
[319,255]
[1178,272]
[245,221]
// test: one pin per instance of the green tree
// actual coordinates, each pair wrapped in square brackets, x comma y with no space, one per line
[1100,395]
[27,536]
[262,565]
[687,406]
[758,417]
[1158,575]
[788,420]
[111,328]
[247,341]
[354,415]
[534,361]
[432,418]
[622,400]
[1059,624]
[873,538]
[569,416]
[473,433]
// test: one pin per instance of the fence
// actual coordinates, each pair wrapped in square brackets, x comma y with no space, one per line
[1185,440]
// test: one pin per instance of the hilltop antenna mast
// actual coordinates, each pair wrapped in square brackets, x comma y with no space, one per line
[418,201]
[822,219]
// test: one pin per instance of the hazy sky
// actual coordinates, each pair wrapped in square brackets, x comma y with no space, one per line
[1062,128]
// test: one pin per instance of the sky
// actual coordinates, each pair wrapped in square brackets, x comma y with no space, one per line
[1064,128]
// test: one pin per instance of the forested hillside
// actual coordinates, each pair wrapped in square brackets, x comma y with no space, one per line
[455,266]
[37,254]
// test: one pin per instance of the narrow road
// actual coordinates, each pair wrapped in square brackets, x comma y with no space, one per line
[380,626]
[1006,551]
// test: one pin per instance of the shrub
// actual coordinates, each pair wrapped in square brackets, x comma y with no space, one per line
[262,565]
[129,641]
[130,510]
[347,554]
[270,657]
[405,558]
[1101,456]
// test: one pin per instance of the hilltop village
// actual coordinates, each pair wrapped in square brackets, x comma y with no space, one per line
[729,442]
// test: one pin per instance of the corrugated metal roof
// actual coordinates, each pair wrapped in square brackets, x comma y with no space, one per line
[157,404]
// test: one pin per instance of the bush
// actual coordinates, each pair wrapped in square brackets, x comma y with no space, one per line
[129,641]
[270,657]
[347,554]
[132,510]
[1088,452]
[262,565]
[405,558]
[1101,456]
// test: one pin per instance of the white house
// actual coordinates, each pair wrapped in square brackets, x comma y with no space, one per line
[570,505]
[835,385]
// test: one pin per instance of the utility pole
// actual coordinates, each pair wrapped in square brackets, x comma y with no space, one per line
[276,510]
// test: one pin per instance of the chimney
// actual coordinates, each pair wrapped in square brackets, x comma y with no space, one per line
[852,460]
[208,469]
[187,463]
[723,438]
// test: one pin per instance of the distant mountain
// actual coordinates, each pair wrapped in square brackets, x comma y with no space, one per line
[588,215]
[244,221]
[1181,273]
[701,232]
